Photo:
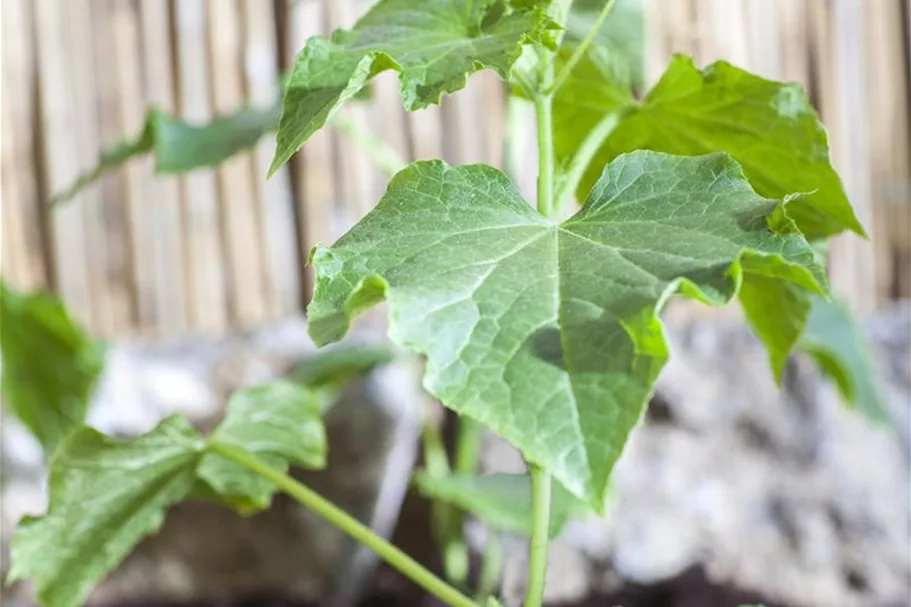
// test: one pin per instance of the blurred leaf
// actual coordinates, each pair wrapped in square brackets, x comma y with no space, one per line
[503,501]
[433,44]
[769,127]
[280,423]
[105,496]
[838,345]
[49,365]
[179,146]
[620,41]
[331,367]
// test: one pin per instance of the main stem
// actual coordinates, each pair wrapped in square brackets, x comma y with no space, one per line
[544,122]
[549,207]
[409,567]
[540,535]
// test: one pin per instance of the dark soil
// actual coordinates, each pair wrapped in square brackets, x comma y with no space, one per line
[690,589]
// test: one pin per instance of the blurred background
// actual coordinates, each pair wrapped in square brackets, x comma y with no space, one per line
[733,490]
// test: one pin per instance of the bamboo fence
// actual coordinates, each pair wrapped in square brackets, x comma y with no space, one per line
[221,250]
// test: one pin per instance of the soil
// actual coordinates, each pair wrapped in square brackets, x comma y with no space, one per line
[690,589]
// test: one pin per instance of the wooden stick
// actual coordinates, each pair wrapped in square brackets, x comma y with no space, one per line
[851,260]
[889,130]
[240,216]
[122,116]
[275,196]
[357,179]
[794,39]
[164,193]
[24,261]
[764,37]
[314,163]
[59,150]
[207,287]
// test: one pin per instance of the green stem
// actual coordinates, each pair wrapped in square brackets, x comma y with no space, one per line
[513,148]
[381,152]
[540,535]
[584,155]
[468,445]
[445,518]
[491,569]
[544,122]
[455,550]
[581,49]
[409,567]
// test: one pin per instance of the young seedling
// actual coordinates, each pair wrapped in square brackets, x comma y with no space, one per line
[536,322]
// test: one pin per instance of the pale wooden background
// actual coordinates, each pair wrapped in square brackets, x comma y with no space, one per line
[223,250]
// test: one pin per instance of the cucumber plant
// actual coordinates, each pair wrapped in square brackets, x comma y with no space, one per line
[539,322]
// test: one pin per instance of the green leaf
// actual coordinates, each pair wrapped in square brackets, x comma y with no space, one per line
[778,313]
[503,501]
[769,127]
[433,44]
[105,496]
[179,146]
[590,93]
[548,333]
[620,40]
[49,365]
[834,339]
[280,423]
[336,366]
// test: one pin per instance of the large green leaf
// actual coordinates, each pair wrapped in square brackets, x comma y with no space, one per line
[433,44]
[834,339]
[49,365]
[105,496]
[503,501]
[769,127]
[280,423]
[179,146]
[549,333]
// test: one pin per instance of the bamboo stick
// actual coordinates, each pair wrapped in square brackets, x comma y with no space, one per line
[238,196]
[794,39]
[59,157]
[889,132]
[207,287]
[24,252]
[764,37]
[387,117]
[115,242]
[164,194]
[463,122]
[723,32]
[314,163]
[851,264]
[357,179]
[275,195]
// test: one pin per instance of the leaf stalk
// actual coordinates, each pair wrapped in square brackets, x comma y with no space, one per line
[584,155]
[409,567]
[567,68]
[537,552]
